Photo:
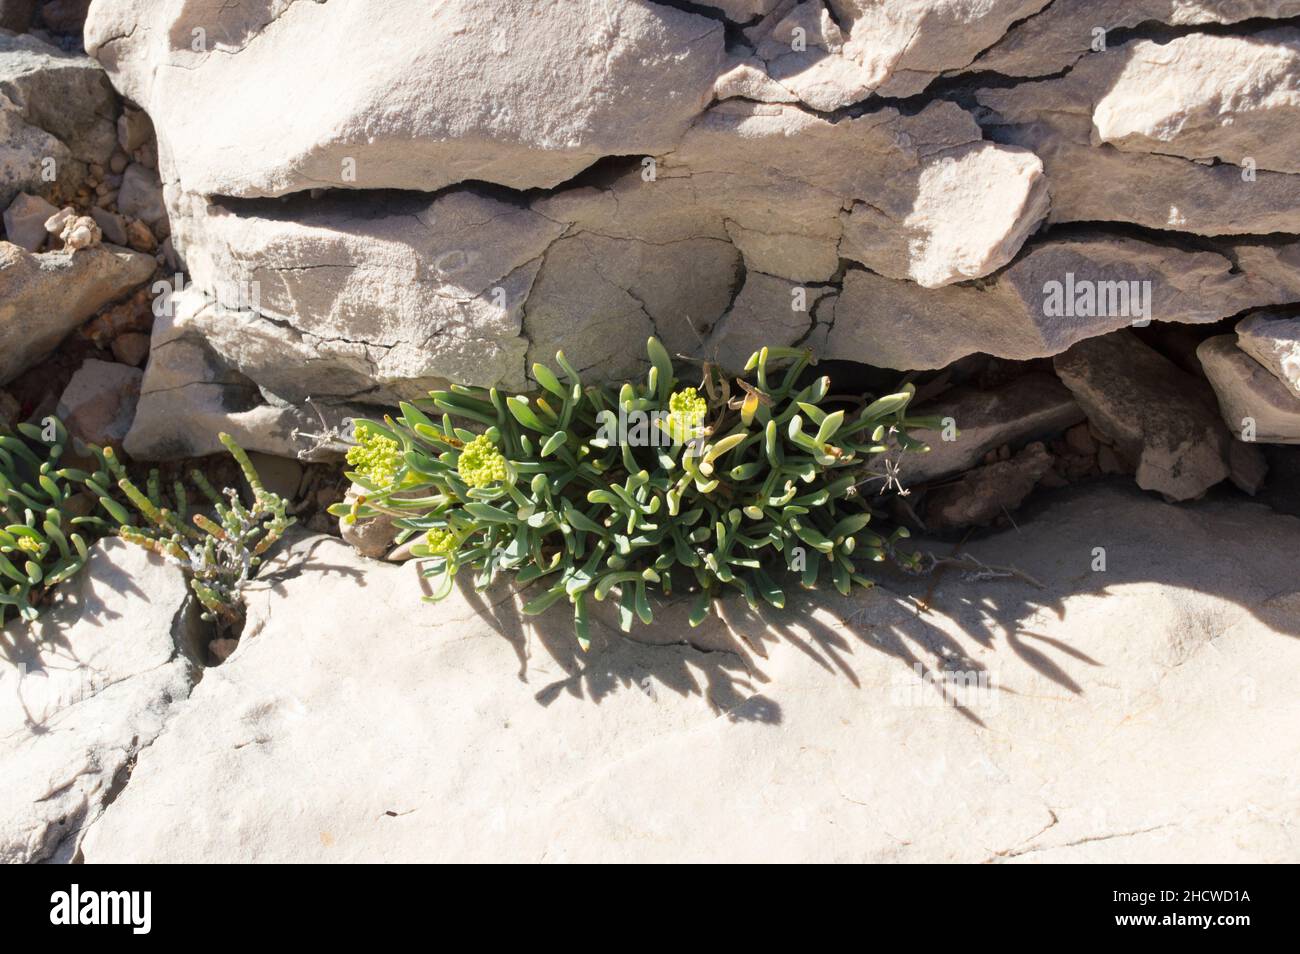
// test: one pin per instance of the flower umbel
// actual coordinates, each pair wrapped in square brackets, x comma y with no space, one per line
[375,457]
[481,463]
[686,414]
[442,541]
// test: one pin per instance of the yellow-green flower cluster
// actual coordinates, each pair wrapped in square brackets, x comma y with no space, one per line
[375,457]
[686,413]
[481,463]
[31,546]
[442,541]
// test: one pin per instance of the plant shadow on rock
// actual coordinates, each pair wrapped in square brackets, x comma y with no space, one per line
[1219,547]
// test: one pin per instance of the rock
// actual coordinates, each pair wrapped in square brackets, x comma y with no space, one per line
[941,233]
[133,130]
[140,238]
[1157,414]
[371,538]
[25,221]
[1248,467]
[988,492]
[111,225]
[56,114]
[1090,740]
[505,92]
[1207,97]
[10,411]
[141,195]
[79,232]
[1274,342]
[16,15]
[189,395]
[1025,311]
[1064,31]
[44,297]
[99,402]
[1060,119]
[280,475]
[65,16]
[768,312]
[1254,403]
[83,691]
[131,348]
[1031,407]
[859,47]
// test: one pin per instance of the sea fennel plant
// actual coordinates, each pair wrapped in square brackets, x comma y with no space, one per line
[590,489]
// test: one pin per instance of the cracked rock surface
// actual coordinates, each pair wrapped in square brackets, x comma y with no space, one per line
[1140,712]
[84,691]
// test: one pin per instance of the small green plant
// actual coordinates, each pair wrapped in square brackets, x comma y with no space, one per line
[592,489]
[43,539]
[220,556]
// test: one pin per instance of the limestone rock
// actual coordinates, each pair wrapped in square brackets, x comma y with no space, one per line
[1274,342]
[507,92]
[1089,740]
[44,297]
[1248,394]
[1055,118]
[25,221]
[1208,97]
[141,195]
[1156,413]
[99,402]
[1063,32]
[834,54]
[56,114]
[1031,407]
[988,492]
[189,395]
[768,312]
[1024,312]
[16,15]
[83,691]
[941,234]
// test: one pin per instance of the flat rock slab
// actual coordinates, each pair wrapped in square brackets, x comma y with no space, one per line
[82,691]
[1141,712]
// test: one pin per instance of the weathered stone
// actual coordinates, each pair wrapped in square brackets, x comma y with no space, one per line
[1157,414]
[1024,312]
[141,195]
[111,225]
[506,92]
[25,221]
[131,348]
[1274,342]
[988,492]
[99,402]
[1054,118]
[941,233]
[56,115]
[43,297]
[768,312]
[327,305]
[1103,714]
[16,15]
[1208,97]
[83,691]
[1255,404]
[833,57]
[1031,407]
[189,395]
[1064,31]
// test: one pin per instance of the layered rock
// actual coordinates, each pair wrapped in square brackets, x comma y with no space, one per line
[83,691]
[44,297]
[1256,406]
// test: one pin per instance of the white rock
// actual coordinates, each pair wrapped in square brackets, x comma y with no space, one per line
[1208,97]
[1274,342]
[807,735]
[83,691]
[189,395]
[502,91]
[1254,403]
[44,297]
